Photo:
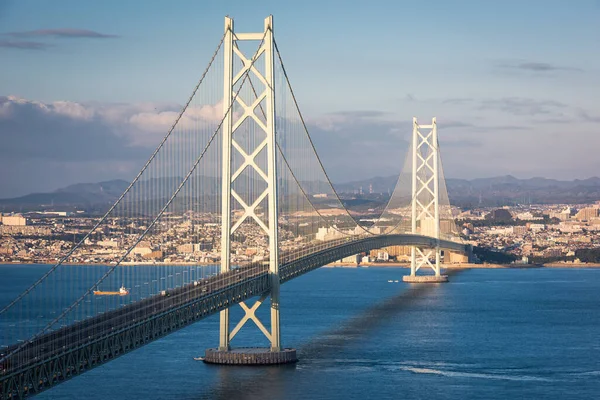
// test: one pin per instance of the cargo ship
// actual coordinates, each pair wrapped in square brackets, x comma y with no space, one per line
[122,292]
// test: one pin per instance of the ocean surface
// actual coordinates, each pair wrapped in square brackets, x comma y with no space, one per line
[488,334]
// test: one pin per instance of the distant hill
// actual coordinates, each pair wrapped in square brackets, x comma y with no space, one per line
[498,191]
[98,197]
[495,191]
[81,195]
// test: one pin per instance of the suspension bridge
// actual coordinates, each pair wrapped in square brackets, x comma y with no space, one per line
[237,189]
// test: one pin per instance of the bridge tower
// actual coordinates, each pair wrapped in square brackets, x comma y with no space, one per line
[265,137]
[425,202]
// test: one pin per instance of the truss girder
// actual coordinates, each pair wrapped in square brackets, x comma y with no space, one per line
[37,375]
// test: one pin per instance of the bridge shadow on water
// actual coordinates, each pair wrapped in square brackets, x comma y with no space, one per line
[249,383]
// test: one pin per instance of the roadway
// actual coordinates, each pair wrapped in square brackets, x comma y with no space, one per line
[199,299]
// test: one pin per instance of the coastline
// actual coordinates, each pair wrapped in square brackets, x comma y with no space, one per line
[571,265]
[331,265]
[468,265]
[104,264]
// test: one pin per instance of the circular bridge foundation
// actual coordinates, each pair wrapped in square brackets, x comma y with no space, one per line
[250,356]
[425,278]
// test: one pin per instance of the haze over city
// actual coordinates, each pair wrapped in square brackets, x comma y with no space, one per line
[88,89]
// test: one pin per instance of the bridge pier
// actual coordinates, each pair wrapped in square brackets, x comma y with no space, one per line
[420,258]
[425,279]
[250,356]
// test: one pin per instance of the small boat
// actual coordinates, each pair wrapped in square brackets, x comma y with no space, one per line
[199,358]
[122,292]
[390,281]
[396,281]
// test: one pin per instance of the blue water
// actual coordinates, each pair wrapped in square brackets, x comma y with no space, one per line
[488,334]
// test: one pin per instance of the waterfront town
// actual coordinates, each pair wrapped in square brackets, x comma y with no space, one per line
[517,235]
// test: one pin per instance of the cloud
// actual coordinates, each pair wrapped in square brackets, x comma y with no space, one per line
[555,121]
[62,131]
[458,142]
[360,144]
[522,106]
[466,135]
[161,121]
[47,33]
[589,118]
[341,120]
[474,143]
[456,124]
[458,100]
[524,111]
[481,127]
[46,145]
[72,110]
[63,33]
[23,45]
[539,67]
[54,144]
[503,128]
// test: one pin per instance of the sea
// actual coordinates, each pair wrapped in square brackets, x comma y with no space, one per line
[487,334]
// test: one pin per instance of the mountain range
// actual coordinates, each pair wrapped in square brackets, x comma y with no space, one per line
[495,191]
[499,190]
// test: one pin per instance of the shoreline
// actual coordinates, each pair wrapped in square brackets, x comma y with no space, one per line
[124,264]
[467,265]
[331,265]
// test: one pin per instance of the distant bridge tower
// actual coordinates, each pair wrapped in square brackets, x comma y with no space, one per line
[265,138]
[425,202]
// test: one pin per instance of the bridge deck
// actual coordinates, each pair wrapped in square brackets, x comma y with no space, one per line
[59,355]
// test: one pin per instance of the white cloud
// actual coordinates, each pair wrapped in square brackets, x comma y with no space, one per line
[507,137]
[73,110]
[162,121]
[335,122]
[84,135]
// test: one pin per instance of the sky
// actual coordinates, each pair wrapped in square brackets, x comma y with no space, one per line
[514,85]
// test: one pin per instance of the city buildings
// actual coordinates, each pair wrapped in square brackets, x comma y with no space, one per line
[533,232]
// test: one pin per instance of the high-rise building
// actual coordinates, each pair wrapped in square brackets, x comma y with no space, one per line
[13,220]
[427,226]
[562,215]
[519,230]
[586,214]
[397,250]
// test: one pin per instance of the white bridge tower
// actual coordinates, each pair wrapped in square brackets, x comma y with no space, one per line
[425,202]
[265,140]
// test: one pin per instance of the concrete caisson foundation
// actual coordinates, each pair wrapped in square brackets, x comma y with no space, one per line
[250,356]
[425,279]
